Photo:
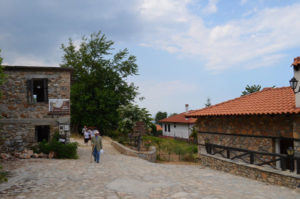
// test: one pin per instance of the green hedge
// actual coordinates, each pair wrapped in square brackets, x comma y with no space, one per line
[64,151]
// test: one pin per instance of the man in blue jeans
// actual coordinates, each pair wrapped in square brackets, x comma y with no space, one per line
[96,146]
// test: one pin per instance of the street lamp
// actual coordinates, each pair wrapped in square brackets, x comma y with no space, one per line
[293,84]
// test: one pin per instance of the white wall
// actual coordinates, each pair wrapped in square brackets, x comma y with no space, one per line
[297,95]
[180,131]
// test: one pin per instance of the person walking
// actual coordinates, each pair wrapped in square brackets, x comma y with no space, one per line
[96,146]
[86,137]
[84,129]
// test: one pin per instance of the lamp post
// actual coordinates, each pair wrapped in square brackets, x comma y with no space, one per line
[290,152]
[293,84]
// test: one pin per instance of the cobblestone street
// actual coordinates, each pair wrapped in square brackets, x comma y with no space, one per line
[119,176]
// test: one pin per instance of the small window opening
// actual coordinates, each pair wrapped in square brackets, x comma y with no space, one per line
[42,133]
[168,127]
[165,127]
[174,125]
[38,90]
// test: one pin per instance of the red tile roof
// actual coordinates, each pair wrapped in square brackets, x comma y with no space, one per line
[158,127]
[267,101]
[296,61]
[179,118]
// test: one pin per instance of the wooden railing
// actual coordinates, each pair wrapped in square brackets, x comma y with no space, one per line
[255,157]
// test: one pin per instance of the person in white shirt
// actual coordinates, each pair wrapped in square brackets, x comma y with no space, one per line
[86,137]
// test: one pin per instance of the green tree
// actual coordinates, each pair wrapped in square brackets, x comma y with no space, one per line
[172,114]
[131,114]
[99,81]
[208,103]
[159,116]
[251,89]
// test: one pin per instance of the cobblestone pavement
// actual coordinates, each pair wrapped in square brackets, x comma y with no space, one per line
[119,176]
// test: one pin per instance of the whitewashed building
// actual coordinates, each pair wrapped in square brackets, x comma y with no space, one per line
[178,125]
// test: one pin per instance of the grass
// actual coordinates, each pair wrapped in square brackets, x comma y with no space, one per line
[167,148]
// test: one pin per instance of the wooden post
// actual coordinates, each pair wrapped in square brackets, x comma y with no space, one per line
[283,163]
[251,158]
[298,166]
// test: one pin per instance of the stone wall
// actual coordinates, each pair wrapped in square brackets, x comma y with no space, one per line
[283,178]
[245,131]
[250,143]
[146,155]
[259,125]
[18,116]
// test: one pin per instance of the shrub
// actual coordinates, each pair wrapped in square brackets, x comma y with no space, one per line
[65,151]
[2,175]
[187,151]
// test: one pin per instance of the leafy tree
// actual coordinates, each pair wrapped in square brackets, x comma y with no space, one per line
[251,89]
[172,114]
[131,114]
[160,115]
[99,83]
[208,103]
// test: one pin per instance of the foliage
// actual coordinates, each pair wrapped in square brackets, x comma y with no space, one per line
[172,114]
[194,134]
[208,103]
[251,89]
[160,115]
[99,83]
[63,151]
[154,131]
[1,73]
[2,175]
[172,146]
[131,114]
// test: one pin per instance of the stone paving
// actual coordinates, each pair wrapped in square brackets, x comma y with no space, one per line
[118,176]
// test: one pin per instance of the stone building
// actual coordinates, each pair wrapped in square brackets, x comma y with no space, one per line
[264,121]
[35,104]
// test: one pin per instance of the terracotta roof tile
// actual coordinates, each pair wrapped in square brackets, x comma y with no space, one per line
[158,127]
[179,118]
[268,101]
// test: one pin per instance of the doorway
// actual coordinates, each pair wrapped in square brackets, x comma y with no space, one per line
[284,145]
[42,133]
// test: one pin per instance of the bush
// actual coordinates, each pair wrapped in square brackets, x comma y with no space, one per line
[65,151]
[2,175]
[171,146]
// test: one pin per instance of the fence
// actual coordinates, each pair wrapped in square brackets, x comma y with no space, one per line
[255,157]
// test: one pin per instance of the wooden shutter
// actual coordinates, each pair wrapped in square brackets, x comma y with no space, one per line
[29,91]
[45,82]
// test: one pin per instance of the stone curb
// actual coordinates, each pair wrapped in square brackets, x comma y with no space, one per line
[146,155]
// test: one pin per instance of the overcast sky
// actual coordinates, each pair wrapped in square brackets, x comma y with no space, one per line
[187,50]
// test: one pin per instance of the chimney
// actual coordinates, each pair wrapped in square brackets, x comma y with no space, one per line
[186,108]
[296,66]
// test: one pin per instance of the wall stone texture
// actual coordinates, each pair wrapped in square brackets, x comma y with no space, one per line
[260,125]
[282,178]
[18,117]
[287,126]
[146,155]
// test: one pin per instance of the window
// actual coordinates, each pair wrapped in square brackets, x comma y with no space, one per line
[165,127]
[168,127]
[42,133]
[37,90]
[174,125]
